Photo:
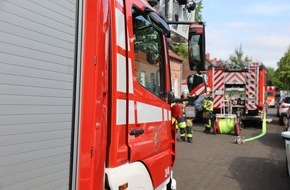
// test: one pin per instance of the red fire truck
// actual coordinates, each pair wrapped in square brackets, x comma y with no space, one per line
[271,96]
[244,88]
[85,96]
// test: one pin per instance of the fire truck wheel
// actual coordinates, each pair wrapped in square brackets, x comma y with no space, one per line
[287,168]
[285,122]
[280,120]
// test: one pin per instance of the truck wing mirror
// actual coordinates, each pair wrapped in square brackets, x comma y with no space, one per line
[157,21]
[196,46]
[196,84]
[170,97]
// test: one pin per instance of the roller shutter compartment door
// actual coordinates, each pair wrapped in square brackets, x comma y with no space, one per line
[37,66]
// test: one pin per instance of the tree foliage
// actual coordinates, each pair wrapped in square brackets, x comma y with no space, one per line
[283,71]
[272,78]
[197,13]
[181,49]
[238,57]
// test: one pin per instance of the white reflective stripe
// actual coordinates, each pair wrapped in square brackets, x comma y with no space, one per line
[121,73]
[131,112]
[128,41]
[121,112]
[165,115]
[120,29]
[130,82]
[169,115]
[148,113]
[120,2]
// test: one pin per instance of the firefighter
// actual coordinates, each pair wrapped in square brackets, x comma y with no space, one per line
[185,125]
[175,124]
[176,115]
[208,110]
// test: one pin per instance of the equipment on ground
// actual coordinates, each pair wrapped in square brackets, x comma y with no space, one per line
[226,122]
[241,140]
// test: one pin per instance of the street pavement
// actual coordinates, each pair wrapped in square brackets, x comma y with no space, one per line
[215,162]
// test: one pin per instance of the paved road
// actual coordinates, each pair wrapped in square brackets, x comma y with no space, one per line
[214,162]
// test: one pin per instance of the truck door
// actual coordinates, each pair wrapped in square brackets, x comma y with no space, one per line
[149,120]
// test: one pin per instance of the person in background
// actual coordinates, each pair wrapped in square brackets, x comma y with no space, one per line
[184,124]
[208,110]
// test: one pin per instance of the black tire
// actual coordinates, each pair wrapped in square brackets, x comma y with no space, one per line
[285,122]
[281,120]
[287,169]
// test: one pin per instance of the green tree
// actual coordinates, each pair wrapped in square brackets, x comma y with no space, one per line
[238,57]
[271,75]
[181,49]
[283,71]
[197,13]
[272,78]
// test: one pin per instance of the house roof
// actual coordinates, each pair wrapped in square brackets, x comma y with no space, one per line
[174,56]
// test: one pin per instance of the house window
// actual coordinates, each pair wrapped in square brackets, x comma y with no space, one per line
[142,78]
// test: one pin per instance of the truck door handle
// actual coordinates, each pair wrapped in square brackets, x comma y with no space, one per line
[136,131]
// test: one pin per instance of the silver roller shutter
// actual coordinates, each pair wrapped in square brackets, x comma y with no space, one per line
[37,52]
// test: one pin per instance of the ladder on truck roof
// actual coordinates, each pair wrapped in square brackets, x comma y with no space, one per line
[252,91]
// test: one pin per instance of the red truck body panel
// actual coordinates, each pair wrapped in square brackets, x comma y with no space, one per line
[109,114]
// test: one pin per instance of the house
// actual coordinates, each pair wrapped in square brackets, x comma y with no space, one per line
[176,67]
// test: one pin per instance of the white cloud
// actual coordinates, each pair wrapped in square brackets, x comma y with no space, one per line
[261,27]
[265,43]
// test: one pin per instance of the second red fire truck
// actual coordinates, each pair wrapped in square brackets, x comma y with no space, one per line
[271,96]
[243,88]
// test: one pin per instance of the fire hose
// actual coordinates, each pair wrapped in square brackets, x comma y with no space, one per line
[239,139]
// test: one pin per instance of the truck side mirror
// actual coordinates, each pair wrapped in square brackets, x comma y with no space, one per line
[157,21]
[196,83]
[196,46]
[170,97]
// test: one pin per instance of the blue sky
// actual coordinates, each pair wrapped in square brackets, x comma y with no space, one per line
[262,27]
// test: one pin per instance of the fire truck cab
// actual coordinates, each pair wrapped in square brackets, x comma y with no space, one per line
[271,96]
[85,96]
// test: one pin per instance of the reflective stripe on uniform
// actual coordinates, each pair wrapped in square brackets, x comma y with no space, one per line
[208,124]
[174,122]
[189,135]
[182,124]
